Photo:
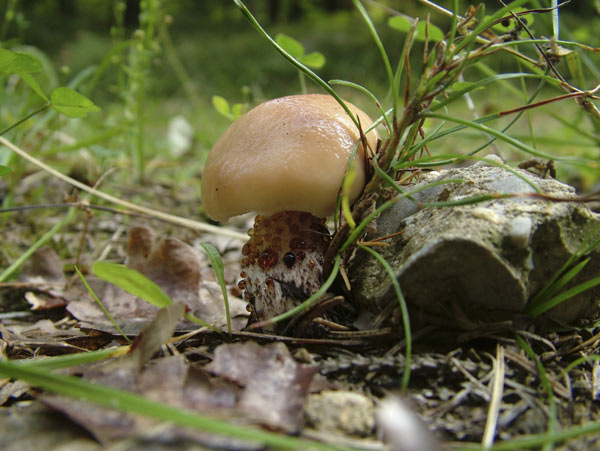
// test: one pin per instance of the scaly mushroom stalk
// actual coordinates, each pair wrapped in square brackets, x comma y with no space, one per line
[282,262]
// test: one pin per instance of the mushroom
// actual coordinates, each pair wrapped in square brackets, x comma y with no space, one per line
[285,160]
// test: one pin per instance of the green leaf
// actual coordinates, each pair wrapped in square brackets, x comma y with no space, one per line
[23,65]
[133,282]
[17,63]
[222,106]
[403,24]
[7,60]
[218,268]
[574,64]
[290,45]
[33,84]
[4,170]
[237,110]
[26,63]
[71,103]
[314,60]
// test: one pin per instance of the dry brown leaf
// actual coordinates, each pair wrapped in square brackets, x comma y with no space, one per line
[256,384]
[276,386]
[168,380]
[157,332]
[171,264]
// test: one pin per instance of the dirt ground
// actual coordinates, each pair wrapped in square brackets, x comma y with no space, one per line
[464,384]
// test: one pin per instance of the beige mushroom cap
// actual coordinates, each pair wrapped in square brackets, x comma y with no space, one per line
[285,154]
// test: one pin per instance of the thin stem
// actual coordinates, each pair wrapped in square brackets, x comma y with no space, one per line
[39,243]
[297,64]
[403,309]
[195,225]
[101,304]
[302,81]
[384,57]
[20,121]
[171,53]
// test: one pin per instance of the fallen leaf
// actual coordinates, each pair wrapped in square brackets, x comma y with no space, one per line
[176,268]
[157,332]
[44,279]
[276,386]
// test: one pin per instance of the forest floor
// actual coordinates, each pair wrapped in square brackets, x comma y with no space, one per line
[468,386]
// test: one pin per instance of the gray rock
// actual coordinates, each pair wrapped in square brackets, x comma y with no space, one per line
[487,258]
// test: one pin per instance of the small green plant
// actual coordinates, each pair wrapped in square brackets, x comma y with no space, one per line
[62,99]
[313,60]
[136,87]
[231,112]
[139,285]
[550,295]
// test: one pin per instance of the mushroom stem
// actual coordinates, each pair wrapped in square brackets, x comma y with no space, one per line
[282,262]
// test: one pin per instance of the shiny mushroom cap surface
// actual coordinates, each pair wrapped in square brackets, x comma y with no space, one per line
[285,154]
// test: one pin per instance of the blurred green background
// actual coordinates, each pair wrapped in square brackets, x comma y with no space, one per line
[190,51]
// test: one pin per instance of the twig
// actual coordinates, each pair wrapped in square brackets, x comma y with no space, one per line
[491,423]
[195,225]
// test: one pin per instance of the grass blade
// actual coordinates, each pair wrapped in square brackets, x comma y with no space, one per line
[535,306]
[381,48]
[39,243]
[99,302]
[69,360]
[443,159]
[555,285]
[297,64]
[404,310]
[218,268]
[132,281]
[483,82]
[552,414]
[133,403]
[564,296]
[498,134]
[368,93]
